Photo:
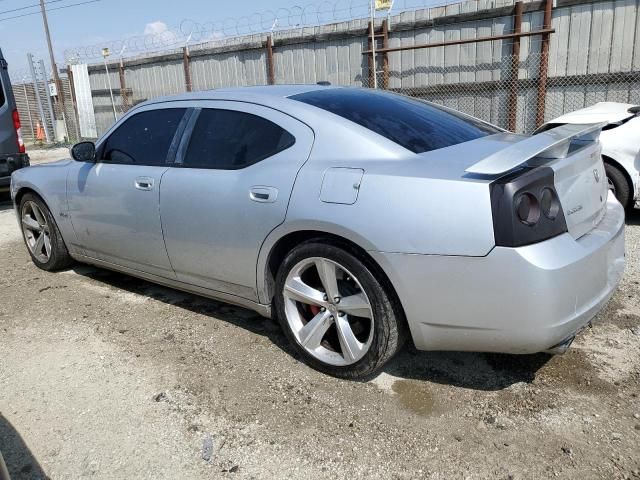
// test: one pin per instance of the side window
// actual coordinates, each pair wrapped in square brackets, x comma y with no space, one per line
[143,139]
[228,140]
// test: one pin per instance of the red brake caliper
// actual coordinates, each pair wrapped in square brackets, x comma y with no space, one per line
[314,309]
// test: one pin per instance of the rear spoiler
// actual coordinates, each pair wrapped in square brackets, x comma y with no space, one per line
[551,144]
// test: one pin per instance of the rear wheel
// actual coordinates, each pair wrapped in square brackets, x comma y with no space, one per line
[335,311]
[619,185]
[41,235]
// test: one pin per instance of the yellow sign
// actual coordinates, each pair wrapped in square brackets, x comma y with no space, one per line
[383,4]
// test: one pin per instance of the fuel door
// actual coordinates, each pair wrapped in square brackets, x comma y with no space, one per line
[341,185]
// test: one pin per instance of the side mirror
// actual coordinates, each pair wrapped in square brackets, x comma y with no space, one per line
[84,152]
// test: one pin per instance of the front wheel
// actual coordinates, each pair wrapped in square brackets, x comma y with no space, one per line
[335,311]
[41,235]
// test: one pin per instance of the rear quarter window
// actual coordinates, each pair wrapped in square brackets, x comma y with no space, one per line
[229,140]
[414,124]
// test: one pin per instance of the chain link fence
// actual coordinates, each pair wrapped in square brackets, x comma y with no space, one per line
[506,93]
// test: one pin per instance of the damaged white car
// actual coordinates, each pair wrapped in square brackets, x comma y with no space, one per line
[620,140]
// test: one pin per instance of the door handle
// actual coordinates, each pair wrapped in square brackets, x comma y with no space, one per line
[144,183]
[263,194]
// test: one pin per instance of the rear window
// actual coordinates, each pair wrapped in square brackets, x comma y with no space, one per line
[414,124]
[228,140]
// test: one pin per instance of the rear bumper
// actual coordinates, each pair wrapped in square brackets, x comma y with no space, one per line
[514,300]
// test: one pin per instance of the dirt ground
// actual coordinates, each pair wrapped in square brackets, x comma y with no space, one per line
[106,376]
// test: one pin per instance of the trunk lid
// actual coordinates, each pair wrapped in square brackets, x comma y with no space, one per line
[574,154]
[581,183]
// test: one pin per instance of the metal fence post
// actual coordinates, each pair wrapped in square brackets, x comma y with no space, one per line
[185,66]
[385,55]
[370,57]
[515,64]
[123,87]
[544,65]
[38,99]
[271,73]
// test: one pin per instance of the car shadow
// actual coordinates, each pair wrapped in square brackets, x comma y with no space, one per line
[633,217]
[5,203]
[474,371]
[478,371]
[21,463]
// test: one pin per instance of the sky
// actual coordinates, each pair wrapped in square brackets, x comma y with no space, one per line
[104,20]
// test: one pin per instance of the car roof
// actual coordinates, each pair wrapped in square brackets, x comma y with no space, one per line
[268,95]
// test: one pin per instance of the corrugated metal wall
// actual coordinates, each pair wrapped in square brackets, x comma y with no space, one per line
[593,38]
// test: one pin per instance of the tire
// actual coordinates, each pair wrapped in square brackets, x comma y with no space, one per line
[55,256]
[619,184]
[382,335]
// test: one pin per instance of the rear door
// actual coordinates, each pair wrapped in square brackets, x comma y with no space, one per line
[114,203]
[229,188]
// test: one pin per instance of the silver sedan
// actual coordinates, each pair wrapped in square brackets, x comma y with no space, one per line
[359,218]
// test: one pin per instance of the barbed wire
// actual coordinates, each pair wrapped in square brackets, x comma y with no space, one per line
[192,32]
[18,76]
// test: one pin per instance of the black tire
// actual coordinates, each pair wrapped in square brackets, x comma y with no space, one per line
[389,326]
[59,258]
[622,189]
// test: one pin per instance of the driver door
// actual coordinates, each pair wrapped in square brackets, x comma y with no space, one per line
[114,203]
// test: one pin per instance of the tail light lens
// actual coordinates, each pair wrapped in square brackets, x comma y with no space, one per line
[526,208]
[17,127]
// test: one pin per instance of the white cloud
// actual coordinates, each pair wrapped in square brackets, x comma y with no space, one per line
[155,28]
[160,35]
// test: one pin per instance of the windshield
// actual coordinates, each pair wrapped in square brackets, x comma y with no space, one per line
[414,124]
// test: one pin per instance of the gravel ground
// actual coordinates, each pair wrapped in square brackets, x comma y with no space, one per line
[107,376]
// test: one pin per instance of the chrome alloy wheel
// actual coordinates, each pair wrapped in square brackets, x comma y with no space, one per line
[328,311]
[36,231]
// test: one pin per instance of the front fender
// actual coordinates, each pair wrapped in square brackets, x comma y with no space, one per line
[49,182]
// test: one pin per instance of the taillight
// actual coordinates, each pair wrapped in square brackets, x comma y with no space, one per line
[17,127]
[526,208]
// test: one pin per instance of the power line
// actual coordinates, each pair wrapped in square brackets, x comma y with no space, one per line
[29,6]
[50,10]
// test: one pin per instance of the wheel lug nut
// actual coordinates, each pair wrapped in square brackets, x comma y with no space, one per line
[341,314]
[336,299]
[322,309]
[325,298]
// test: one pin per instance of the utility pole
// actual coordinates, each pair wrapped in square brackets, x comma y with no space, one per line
[54,69]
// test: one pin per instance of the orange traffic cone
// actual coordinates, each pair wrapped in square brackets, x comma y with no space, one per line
[39,132]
